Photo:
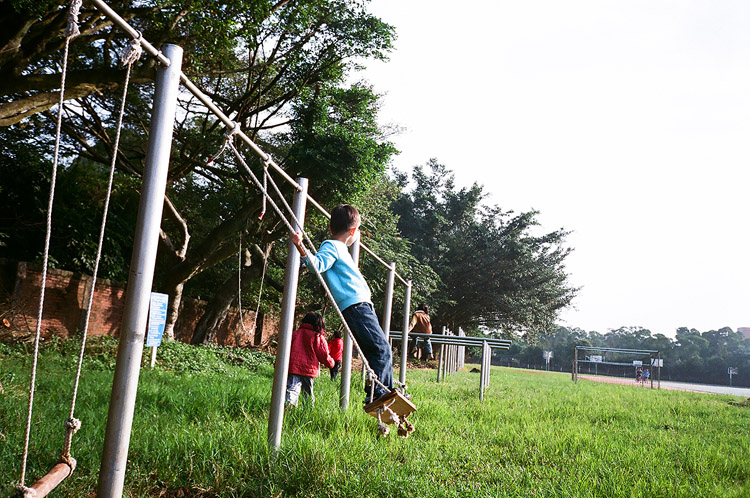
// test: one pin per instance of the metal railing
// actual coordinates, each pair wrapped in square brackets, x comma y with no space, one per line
[453,351]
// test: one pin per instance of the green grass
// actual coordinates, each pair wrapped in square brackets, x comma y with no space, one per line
[536,434]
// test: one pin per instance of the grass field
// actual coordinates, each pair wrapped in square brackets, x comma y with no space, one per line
[203,434]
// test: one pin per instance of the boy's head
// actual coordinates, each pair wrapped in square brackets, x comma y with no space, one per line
[424,308]
[314,319]
[344,218]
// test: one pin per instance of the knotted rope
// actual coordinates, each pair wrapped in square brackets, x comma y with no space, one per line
[70,31]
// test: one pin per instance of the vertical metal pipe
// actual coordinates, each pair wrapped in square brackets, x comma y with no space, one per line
[405,334]
[489,365]
[142,262]
[286,326]
[346,355]
[658,357]
[575,365]
[440,360]
[481,371]
[388,305]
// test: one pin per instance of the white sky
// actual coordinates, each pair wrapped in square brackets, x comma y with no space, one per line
[626,122]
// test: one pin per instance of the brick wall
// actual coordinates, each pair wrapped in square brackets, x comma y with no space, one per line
[66,297]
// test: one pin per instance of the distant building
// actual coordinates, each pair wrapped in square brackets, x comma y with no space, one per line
[745,331]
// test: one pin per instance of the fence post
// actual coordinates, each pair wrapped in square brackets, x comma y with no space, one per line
[405,333]
[140,281]
[441,360]
[286,326]
[482,372]
[388,305]
[489,364]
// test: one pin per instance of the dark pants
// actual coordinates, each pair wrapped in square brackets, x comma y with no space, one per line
[335,370]
[364,324]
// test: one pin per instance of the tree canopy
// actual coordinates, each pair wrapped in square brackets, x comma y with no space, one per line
[283,71]
[494,271]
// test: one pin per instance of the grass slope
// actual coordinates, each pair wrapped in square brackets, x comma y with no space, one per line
[201,422]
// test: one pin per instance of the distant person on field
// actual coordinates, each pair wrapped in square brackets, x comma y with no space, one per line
[420,324]
[351,293]
[638,374]
[646,375]
[336,347]
[309,350]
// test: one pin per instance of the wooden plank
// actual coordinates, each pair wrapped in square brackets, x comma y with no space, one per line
[400,406]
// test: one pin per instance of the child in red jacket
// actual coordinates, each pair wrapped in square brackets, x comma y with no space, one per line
[336,347]
[309,350]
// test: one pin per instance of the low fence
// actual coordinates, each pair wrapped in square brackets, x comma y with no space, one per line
[452,352]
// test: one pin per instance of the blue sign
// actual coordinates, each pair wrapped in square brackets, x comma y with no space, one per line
[157,319]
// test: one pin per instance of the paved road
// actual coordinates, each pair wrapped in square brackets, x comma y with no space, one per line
[682,386]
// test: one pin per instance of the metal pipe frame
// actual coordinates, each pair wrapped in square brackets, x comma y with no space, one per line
[482,367]
[346,355]
[405,334]
[286,326]
[502,344]
[140,281]
[388,305]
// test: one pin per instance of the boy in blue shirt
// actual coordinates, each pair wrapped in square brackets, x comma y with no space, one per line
[350,291]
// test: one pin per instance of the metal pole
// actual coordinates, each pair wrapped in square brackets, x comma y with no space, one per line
[405,333]
[440,360]
[388,305]
[489,364]
[575,365]
[481,371]
[286,325]
[346,355]
[142,262]
[658,356]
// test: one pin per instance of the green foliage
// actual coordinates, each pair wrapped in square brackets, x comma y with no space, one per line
[495,272]
[76,216]
[179,357]
[534,435]
[691,356]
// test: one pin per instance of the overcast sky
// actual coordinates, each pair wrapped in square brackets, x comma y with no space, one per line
[625,122]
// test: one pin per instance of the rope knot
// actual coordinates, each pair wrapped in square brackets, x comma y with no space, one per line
[73,425]
[133,51]
[228,134]
[71,29]
[26,492]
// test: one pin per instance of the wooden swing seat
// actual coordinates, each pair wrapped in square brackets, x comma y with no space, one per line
[395,401]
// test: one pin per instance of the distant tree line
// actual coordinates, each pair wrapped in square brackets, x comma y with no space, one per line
[691,356]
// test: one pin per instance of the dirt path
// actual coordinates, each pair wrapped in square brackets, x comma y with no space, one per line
[680,386]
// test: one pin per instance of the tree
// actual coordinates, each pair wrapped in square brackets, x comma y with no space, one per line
[493,272]
[277,66]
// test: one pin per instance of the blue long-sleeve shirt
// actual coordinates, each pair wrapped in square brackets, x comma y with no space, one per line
[347,284]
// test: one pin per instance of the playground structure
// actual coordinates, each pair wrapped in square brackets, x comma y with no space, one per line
[452,352]
[644,358]
[130,348]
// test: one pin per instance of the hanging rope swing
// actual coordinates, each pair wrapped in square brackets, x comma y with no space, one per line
[67,464]
[394,407]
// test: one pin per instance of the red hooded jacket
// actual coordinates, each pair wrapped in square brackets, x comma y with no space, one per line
[309,350]
[336,347]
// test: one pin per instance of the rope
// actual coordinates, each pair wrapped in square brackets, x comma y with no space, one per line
[129,56]
[228,135]
[373,377]
[239,294]
[70,32]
